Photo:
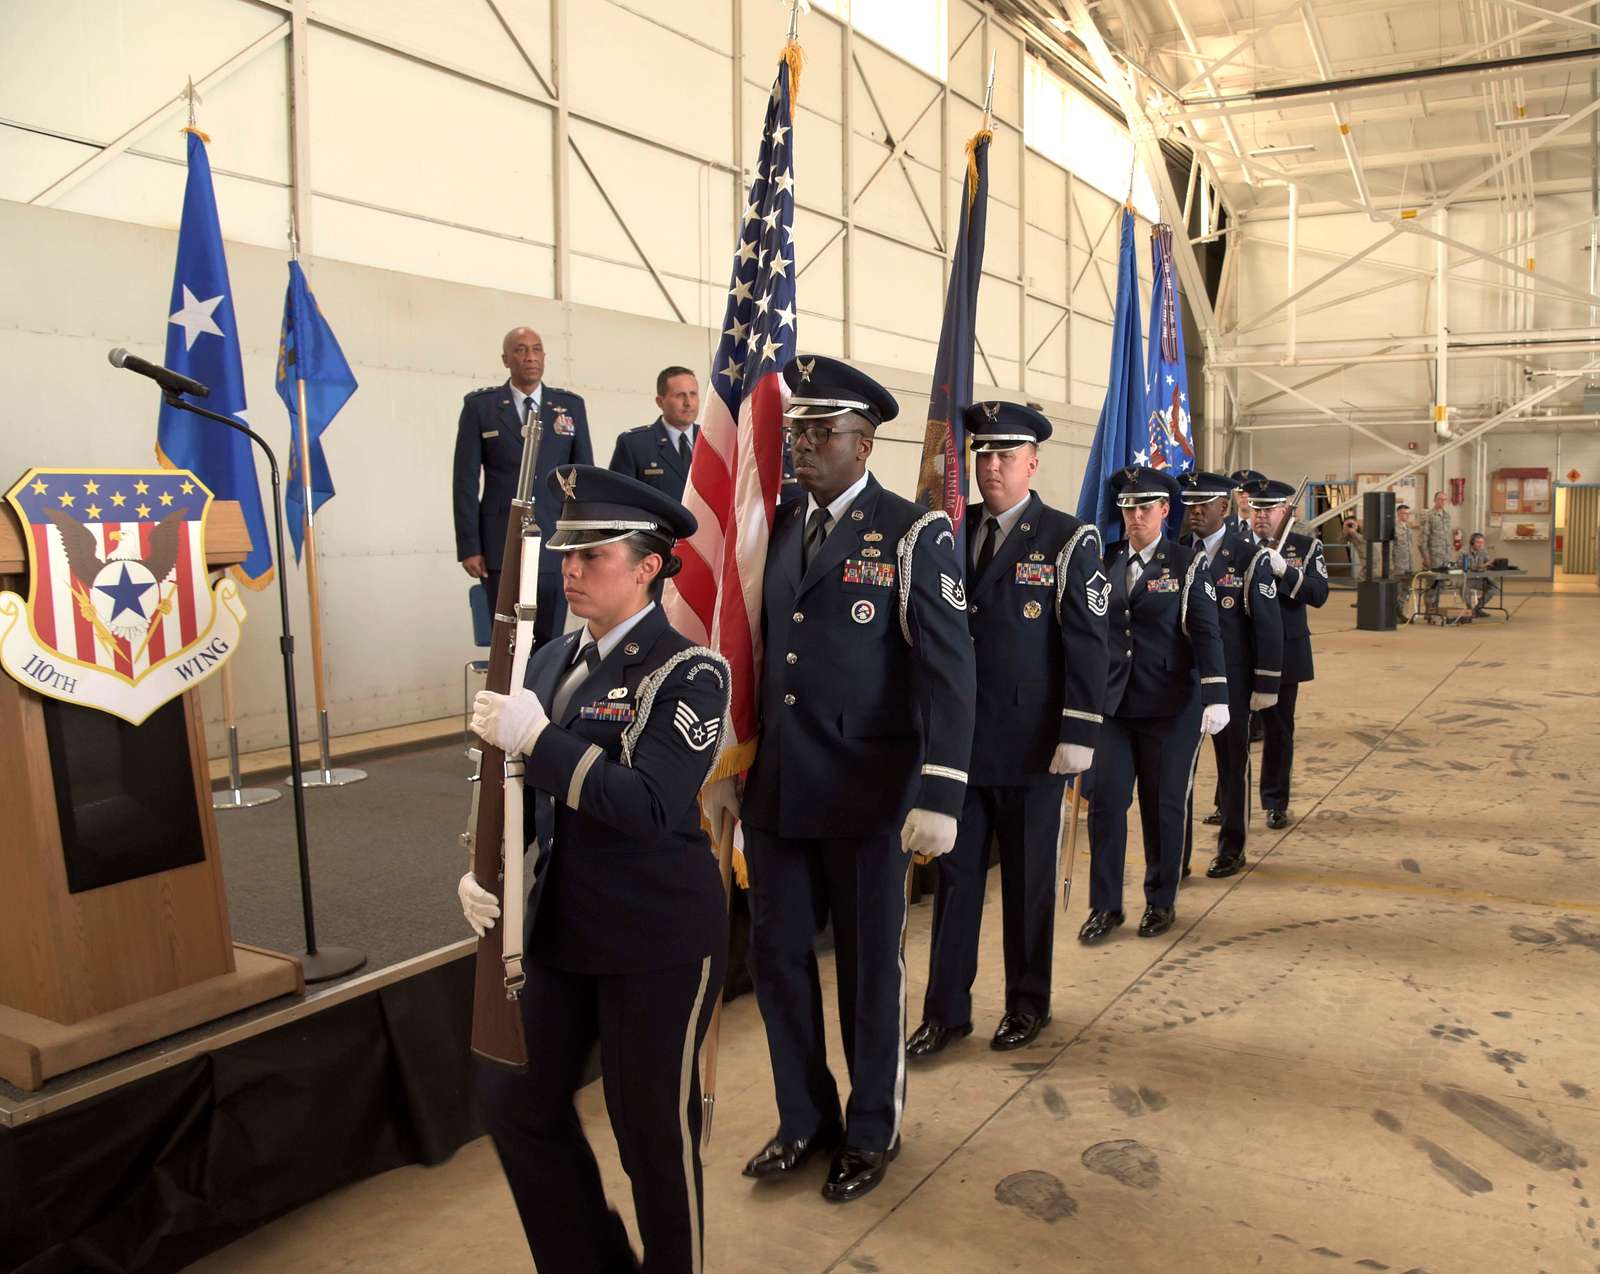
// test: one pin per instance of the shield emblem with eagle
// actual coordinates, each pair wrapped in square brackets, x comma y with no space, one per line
[120,615]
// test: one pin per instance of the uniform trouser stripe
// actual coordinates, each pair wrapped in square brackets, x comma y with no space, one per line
[900,1064]
[685,1094]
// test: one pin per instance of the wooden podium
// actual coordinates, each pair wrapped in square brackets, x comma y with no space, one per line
[88,970]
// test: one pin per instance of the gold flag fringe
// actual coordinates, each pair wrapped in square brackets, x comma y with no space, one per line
[205,137]
[977,139]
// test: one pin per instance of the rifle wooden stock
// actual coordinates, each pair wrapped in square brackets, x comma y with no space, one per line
[496,1019]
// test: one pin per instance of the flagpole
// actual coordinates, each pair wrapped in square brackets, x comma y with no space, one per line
[326,776]
[235,796]
[988,95]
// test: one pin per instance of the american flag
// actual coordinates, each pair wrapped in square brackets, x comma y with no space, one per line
[119,575]
[734,477]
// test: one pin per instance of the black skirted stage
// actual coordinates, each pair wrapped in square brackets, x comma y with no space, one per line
[152,1158]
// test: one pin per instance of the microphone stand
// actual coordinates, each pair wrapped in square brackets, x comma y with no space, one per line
[324,963]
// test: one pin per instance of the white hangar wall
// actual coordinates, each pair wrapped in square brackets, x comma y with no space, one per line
[459,169]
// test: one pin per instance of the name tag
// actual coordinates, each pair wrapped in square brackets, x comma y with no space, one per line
[1041,573]
[1166,584]
[490,433]
[605,712]
[653,472]
[859,571]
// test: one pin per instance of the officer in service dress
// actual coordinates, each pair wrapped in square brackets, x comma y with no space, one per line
[659,454]
[489,453]
[1036,601]
[1252,651]
[626,933]
[1302,575]
[1166,685]
[866,722]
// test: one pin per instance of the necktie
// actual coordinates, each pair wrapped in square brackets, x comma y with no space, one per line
[685,447]
[816,532]
[1135,569]
[529,407]
[991,532]
[588,659]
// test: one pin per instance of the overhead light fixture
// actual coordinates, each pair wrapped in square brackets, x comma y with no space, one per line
[1266,151]
[1529,121]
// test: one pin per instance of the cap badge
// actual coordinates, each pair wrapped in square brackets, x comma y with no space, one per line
[567,480]
[991,410]
[806,366]
[856,515]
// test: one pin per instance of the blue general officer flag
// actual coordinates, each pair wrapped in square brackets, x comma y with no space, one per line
[1120,436]
[203,343]
[1169,441]
[309,352]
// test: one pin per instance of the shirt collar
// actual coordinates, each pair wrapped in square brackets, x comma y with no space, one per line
[518,397]
[1145,554]
[675,435]
[1213,542]
[1010,517]
[837,509]
[613,639]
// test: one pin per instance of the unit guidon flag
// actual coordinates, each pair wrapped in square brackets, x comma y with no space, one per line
[120,615]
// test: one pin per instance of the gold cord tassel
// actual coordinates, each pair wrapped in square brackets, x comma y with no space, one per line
[795,56]
[973,142]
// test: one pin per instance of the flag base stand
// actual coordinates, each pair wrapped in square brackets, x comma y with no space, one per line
[327,776]
[326,963]
[235,796]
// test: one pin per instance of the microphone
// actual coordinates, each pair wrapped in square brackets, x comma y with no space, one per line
[169,380]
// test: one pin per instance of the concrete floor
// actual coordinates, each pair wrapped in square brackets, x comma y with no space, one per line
[1377,1050]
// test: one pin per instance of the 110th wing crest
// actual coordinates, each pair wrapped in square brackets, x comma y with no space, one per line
[120,615]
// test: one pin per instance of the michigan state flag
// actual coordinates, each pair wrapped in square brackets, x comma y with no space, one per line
[309,356]
[203,343]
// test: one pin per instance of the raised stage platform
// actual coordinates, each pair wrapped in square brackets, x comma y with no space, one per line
[152,1158]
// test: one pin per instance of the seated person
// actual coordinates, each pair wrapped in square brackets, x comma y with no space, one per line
[1476,558]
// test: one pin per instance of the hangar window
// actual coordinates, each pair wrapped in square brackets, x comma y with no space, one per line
[1071,129]
[915,30]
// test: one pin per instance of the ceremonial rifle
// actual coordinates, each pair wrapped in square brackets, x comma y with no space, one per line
[1294,512]
[495,832]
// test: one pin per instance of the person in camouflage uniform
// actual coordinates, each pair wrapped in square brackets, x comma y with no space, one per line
[1437,549]
[1403,561]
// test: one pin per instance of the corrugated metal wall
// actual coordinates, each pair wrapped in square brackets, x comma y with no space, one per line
[1581,552]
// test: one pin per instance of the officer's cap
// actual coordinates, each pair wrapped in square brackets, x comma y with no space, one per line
[1241,476]
[599,507]
[1140,484]
[821,387]
[1267,493]
[1002,426]
[1203,488]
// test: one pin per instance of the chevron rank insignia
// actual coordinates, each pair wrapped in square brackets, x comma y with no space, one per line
[952,592]
[698,734]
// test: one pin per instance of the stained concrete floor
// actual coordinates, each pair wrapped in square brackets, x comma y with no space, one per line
[1376,1050]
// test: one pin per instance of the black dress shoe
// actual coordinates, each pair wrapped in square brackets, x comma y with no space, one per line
[1098,925]
[1157,920]
[929,1039]
[1017,1030]
[854,1173]
[1277,819]
[779,1158]
[1213,819]
[1221,866]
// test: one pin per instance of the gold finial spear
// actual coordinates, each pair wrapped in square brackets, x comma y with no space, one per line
[988,93]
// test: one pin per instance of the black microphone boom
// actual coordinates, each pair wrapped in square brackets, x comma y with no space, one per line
[169,380]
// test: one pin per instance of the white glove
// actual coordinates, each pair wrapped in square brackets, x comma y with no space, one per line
[1260,702]
[1276,562]
[478,905]
[717,799]
[1214,719]
[509,722]
[928,833]
[1071,758]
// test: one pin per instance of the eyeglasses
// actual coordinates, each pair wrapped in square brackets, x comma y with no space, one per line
[816,435]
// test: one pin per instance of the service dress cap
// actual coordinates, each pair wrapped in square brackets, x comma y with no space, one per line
[822,387]
[1139,484]
[599,507]
[1267,493]
[1202,488]
[1003,426]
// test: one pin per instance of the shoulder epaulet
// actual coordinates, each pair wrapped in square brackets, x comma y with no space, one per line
[565,393]
[487,389]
